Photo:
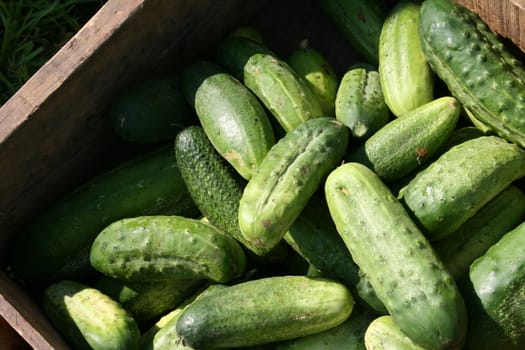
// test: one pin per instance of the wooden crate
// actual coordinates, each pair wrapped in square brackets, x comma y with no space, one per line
[53,131]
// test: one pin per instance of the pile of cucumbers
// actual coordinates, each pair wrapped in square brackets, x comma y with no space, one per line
[281,206]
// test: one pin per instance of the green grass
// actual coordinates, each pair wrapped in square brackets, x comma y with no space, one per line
[31,31]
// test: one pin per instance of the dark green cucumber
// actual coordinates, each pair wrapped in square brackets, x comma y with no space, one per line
[288,176]
[382,333]
[398,260]
[476,67]
[89,319]
[359,102]
[315,69]
[455,186]
[231,116]
[156,248]
[406,78]
[496,297]
[146,301]
[56,244]
[214,185]
[248,33]
[405,144]
[263,311]
[282,91]
[480,232]
[360,22]
[152,110]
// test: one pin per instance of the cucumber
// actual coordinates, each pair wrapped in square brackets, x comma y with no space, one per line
[383,334]
[405,144]
[480,232]
[89,319]
[288,176]
[360,22]
[152,110]
[263,311]
[214,185]
[56,244]
[145,301]
[315,69]
[232,117]
[248,32]
[443,196]
[281,90]
[496,297]
[475,66]
[359,102]
[157,248]
[406,78]
[398,260]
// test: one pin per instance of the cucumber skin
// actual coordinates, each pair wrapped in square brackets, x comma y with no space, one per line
[405,144]
[360,103]
[476,67]
[156,248]
[383,333]
[265,310]
[89,319]
[56,244]
[497,279]
[281,90]
[406,78]
[290,174]
[233,119]
[461,181]
[398,260]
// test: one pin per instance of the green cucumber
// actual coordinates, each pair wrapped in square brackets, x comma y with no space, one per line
[455,186]
[359,102]
[89,319]
[232,117]
[56,244]
[249,33]
[406,78]
[288,176]
[398,260]
[214,185]
[382,333]
[283,92]
[496,297]
[156,248]
[315,69]
[360,22]
[480,232]
[405,144]
[475,66]
[265,310]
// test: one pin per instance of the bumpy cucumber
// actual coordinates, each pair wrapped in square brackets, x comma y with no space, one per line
[284,93]
[288,176]
[382,333]
[263,311]
[406,78]
[476,67]
[359,102]
[455,186]
[152,110]
[360,22]
[480,232]
[214,185]
[312,66]
[146,301]
[496,298]
[232,117]
[154,248]
[89,319]
[56,244]
[405,144]
[398,260]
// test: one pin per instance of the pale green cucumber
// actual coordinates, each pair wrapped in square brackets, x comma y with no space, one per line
[383,334]
[398,260]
